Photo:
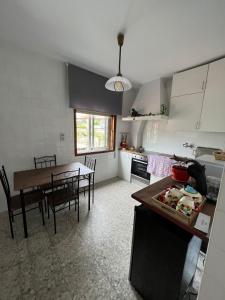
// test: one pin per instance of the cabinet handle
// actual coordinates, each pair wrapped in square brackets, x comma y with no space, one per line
[203,85]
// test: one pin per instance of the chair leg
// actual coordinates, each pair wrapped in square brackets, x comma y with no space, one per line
[42,213]
[45,204]
[78,210]
[48,209]
[69,205]
[75,204]
[84,191]
[54,220]
[10,224]
[93,193]
[12,218]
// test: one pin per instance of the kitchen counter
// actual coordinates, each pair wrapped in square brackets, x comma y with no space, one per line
[145,195]
[146,152]
[210,159]
[165,251]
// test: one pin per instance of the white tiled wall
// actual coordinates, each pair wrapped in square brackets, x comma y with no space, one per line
[161,137]
[213,282]
[34,110]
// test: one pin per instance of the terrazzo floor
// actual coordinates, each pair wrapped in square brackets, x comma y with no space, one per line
[85,260]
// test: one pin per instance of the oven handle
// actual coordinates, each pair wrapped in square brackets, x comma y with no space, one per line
[139,161]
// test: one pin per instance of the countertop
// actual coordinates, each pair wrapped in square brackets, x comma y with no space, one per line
[210,159]
[145,195]
[146,152]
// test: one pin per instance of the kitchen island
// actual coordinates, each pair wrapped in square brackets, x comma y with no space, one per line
[164,250]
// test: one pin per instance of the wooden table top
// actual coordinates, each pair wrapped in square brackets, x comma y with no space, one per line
[145,195]
[37,177]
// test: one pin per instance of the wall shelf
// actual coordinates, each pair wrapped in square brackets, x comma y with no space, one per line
[146,118]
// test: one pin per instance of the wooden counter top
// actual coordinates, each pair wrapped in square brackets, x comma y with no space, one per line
[145,195]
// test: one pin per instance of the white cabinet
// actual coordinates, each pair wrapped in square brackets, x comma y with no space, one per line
[213,110]
[124,169]
[185,112]
[189,82]
[198,98]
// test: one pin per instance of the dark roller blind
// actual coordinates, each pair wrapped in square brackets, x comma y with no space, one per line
[87,92]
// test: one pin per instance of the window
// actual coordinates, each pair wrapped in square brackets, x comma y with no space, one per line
[94,133]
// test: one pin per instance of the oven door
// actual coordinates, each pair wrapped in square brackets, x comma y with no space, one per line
[139,168]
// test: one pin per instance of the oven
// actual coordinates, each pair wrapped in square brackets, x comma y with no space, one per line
[139,169]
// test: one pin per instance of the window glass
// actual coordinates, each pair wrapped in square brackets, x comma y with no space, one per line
[94,133]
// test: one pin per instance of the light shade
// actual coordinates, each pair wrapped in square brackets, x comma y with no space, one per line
[118,84]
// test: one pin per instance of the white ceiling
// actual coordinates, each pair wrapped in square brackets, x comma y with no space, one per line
[161,36]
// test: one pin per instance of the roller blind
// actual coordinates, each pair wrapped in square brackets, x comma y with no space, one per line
[87,92]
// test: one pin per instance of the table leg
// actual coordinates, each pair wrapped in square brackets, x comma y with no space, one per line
[24,213]
[89,190]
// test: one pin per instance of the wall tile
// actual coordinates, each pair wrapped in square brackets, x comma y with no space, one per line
[217,238]
[211,289]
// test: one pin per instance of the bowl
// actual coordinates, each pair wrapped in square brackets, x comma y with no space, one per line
[179,173]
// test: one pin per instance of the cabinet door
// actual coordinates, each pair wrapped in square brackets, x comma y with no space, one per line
[124,165]
[185,112]
[213,110]
[189,82]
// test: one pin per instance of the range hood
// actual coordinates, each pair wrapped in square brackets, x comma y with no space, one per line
[149,100]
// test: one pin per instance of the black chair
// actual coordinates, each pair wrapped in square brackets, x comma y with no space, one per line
[65,188]
[45,161]
[14,202]
[91,164]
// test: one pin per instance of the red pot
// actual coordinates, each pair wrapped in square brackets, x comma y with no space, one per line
[180,173]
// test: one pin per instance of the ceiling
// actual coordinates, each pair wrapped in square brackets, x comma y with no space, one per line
[161,36]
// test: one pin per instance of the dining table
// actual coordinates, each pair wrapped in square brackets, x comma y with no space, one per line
[35,178]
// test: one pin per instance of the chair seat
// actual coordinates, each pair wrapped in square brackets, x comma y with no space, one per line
[29,199]
[46,187]
[61,196]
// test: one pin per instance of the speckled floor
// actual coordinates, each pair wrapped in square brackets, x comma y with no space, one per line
[86,260]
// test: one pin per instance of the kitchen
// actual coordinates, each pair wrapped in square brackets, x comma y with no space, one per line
[124,101]
[188,129]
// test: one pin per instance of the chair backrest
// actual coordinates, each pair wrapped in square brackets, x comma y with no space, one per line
[90,162]
[67,181]
[45,161]
[5,185]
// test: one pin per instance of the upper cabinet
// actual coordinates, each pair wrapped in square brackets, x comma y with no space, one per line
[213,109]
[189,82]
[198,98]
[185,112]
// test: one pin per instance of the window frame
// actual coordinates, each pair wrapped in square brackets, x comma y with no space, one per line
[114,119]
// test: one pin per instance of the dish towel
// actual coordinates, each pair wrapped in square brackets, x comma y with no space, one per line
[159,165]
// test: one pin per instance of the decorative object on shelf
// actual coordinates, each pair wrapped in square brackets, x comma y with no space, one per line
[119,83]
[123,143]
[135,113]
[163,109]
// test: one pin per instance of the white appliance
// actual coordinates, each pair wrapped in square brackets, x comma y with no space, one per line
[214,171]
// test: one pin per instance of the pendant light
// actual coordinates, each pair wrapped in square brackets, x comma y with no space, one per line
[118,83]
